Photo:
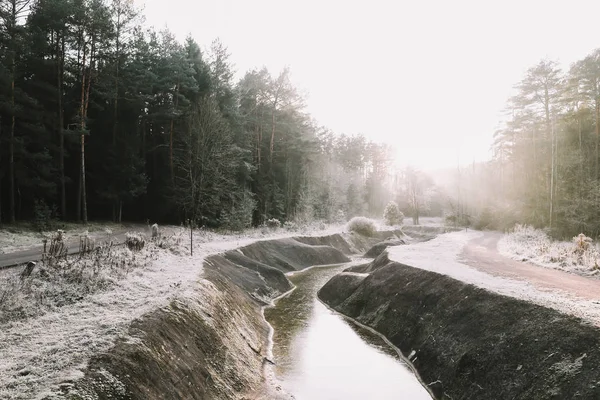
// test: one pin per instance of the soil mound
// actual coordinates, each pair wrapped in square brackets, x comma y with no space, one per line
[261,281]
[379,248]
[361,244]
[468,343]
[291,255]
[211,344]
[336,241]
[208,346]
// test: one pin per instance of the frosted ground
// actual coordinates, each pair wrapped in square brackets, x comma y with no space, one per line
[39,353]
[525,243]
[23,238]
[442,255]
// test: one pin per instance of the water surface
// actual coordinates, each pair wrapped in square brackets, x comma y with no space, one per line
[321,356]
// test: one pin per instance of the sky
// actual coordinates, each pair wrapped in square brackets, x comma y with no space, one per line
[429,77]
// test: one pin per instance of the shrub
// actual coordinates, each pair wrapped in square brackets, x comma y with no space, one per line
[290,226]
[134,241]
[582,242]
[58,248]
[340,216]
[240,216]
[392,214]
[458,220]
[363,226]
[484,220]
[52,283]
[175,241]
[86,244]
[44,216]
[273,223]
[528,243]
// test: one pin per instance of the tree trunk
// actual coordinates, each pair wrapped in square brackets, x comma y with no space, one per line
[116,99]
[61,135]
[597,155]
[171,136]
[0,172]
[552,166]
[82,109]
[11,138]
[11,154]
[83,194]
[116,119]
[78,203]
[580,153]
[116,203]
[84,127]
[272,144]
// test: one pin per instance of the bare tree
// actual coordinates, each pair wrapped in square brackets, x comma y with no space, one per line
[416,192]
[204,161]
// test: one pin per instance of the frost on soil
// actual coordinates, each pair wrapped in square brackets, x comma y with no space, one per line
[442,255]
[42,349]
[17,239]
[524,243]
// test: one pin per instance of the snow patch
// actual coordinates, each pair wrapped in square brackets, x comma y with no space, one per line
[442,255]
[56,346]
[524,243]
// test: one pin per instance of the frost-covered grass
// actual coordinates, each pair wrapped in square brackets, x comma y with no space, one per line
[442,255]
[55,283]
[426,221]
[363,226]
[42,349]
[525,243]
[22,236]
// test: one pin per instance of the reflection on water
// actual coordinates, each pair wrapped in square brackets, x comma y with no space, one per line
[321,356]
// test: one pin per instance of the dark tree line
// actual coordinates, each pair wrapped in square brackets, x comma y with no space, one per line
[102,118]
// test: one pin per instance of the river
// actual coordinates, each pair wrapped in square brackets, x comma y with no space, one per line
[321,356]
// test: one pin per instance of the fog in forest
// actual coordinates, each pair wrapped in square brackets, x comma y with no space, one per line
[235,113]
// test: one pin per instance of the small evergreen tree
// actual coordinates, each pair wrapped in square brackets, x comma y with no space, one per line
[392,214]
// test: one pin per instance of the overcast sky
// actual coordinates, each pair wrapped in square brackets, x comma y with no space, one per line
[430,77]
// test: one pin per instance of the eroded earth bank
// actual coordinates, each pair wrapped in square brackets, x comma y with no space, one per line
[467,342]
[213,343]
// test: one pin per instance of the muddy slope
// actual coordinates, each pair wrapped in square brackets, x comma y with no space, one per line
[211,344]
[351,243]
[379,248]
[469,343]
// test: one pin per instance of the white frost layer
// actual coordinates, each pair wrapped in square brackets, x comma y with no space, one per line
[39,353]
[528,244]
[24,239]
[441,255]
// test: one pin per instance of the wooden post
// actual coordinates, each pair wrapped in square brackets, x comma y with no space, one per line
[191,238]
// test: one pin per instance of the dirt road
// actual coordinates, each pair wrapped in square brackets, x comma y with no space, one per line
[482,254]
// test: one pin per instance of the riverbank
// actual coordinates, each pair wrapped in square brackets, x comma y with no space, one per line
[52,348]
[209,321]
[469,334]
[319,354]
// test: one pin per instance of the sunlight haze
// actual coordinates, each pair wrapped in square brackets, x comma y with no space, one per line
[429,77]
